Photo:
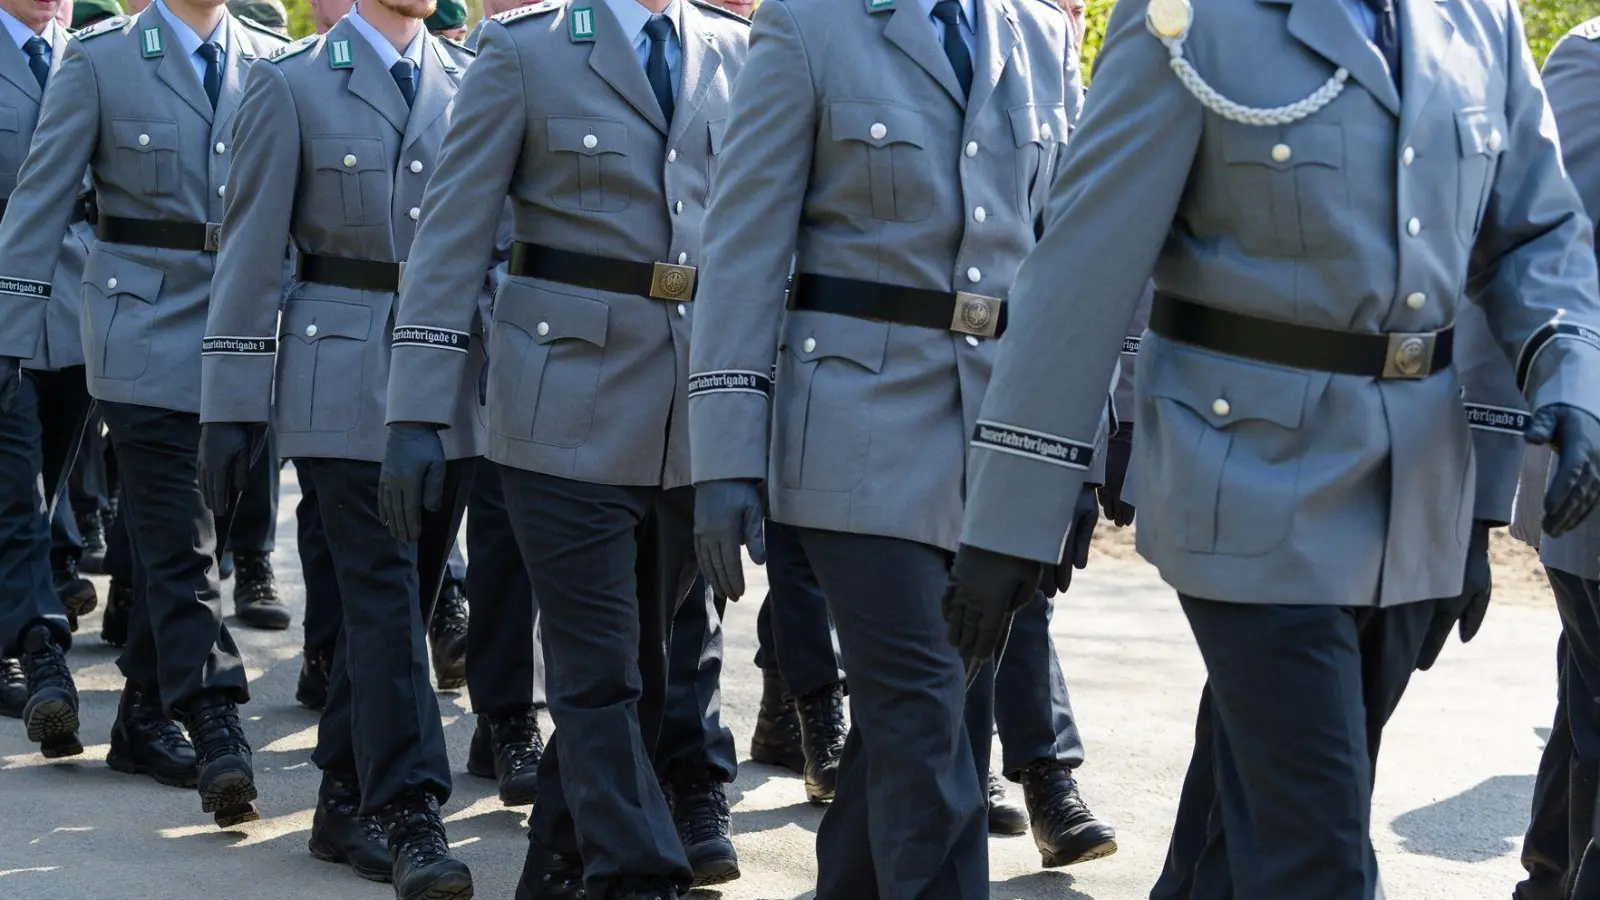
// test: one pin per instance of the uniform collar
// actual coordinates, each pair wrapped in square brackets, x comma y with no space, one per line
[381,45]
[632,16]
[20,32]
[187,39]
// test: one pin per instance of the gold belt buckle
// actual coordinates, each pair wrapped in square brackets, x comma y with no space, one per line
[213,237]
[976,314]
[670,282]
[1410,355]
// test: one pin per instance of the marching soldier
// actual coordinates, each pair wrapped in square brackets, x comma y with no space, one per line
[608,179]
[902,149]
[1310,217]
[338,137]
[147,105]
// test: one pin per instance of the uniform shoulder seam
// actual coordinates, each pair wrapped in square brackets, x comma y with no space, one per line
[294,49]
[725,13]
[103,27]
[259,28]
[528,12]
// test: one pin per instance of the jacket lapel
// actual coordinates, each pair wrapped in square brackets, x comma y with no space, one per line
[174,66]
[1427,33]
[700,64]
[433,94]
[233,72]
[612,57]
[369,80]
[996,39]
[14,68]
[1327,28]
[911,31]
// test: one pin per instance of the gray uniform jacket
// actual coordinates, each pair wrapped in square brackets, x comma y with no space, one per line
[852,147]
[1572,80]
[557,113]
[59,345]
[330,157]
[1261,483]
[127,104]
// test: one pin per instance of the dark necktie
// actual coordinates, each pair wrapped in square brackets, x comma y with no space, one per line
[36,48]
[949,12]
[1388,37]
[659,30]
[405,78]
[211,52]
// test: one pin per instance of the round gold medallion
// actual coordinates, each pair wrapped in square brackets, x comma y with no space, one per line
[1169,18]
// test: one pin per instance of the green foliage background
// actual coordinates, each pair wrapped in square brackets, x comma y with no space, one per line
[1547,21]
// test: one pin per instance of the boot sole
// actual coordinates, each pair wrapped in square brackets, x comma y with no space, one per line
[82,603]
[330,854]
[1098,851]
[716,871]
[522,798]
[260,624]
[53,725]
[230,799]
[453,886]
[127,766]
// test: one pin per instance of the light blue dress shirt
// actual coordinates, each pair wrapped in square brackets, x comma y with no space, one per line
[384,49]
[632,15]
[20,33]
[969,16]
[190,42]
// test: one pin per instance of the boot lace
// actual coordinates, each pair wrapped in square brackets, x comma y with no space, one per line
[519,740]
[702,811]
[823,714]
[416,831]
[254,578]
[217,732]
[450,617]
[46,666]
[1057,794]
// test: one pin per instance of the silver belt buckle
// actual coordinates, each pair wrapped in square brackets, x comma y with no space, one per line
[976,314]
[1410,355]
[213,237]
[399,275]
[671,282]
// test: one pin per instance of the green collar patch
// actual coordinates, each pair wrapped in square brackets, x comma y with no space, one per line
[150,42]
[339,55]
[582,22]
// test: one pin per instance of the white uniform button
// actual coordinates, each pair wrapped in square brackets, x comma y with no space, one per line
[144,140]
[682,310]
[809,345]
[416,167]
[1413,226]
[672,156]
[1281,153]
[678,208]
[349,160]
[973,275]
[1416,301]
[1046,132]
[978,215]
[972,149]
[683,259]
[543,329]
[972,341]
[1221,407]
[1494,141]
[221,148]
[1409,156]
[311,331]
[414,213]
[111,284]
[222,190]
[879,131]
[590,141]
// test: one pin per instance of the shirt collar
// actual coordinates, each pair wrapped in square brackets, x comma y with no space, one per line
[969,10]
[632,16]
[187,39]
[20,32]
[381,45]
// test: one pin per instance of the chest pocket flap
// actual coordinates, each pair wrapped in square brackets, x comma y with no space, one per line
[1025,125]
[348,154]
[588,136]
[547,316]
[112,275]
[9,119]
[1303,145]
[315,320]
[718,128]
[1480,132]
[876,124]
[144,135]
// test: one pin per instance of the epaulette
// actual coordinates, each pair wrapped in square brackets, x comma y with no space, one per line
[1589,30]
[104,26]
[294,49]
[726,13]
[528,12]
[259,28]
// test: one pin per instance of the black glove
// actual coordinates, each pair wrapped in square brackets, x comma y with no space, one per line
[728,515]
[412,478]
[1075,555]
[10,383]
[1119,449]
[986,590]
[1573,490]
[1468,609]
[227,451]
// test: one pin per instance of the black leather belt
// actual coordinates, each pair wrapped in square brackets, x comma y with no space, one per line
[960,312]
[1394,355]
[82,211]
[342,271]
[661,281]
[204,237]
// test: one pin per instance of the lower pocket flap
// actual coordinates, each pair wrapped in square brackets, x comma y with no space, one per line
[313,320]
[550,316]
[817,335]
[111,274]
[1223,389]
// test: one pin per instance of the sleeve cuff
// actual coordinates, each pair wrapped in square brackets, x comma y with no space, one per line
[728,433]
[22,318]
[236,387]
[425,377]
[1022,490]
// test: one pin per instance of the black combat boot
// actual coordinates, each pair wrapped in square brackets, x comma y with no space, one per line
[561,879]
[340,834]
[76,593]
[777,738]
[316,668]
[114,624]
[822,733]
[145,742]
[447,632]
[654,892]
[1006,816]
[255,593]
[226,779]
[508,748]
[92,528]
[13,688]
[51,711]
[1064,829]
[423,868]
[700,810]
